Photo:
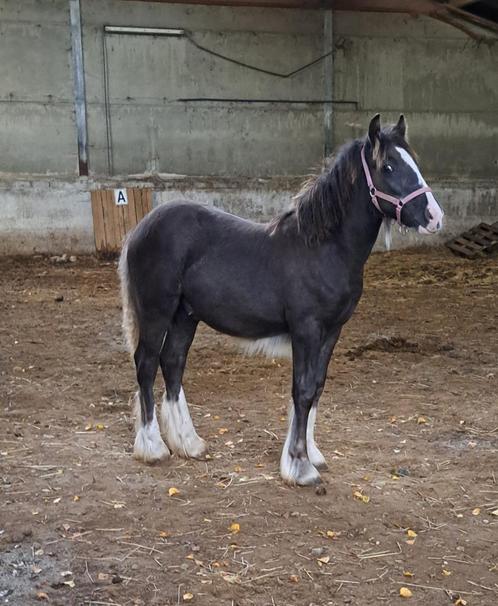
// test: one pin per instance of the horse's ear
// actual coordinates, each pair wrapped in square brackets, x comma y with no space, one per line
[400,127]
[374,130]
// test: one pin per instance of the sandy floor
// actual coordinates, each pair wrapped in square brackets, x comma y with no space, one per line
[408,424]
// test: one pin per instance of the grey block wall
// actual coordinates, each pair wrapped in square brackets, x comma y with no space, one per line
[445,83]
[148,76]
[37,131]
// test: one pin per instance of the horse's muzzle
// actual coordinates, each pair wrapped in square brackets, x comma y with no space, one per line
[434,215]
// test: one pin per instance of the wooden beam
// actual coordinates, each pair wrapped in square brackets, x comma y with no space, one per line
[391,6]
[475,19]
[312,4]
[459,3]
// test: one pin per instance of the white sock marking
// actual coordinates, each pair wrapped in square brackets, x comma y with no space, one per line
[149,446]
[286,468]
[314,454]
[433,207]
[137,413]
[178,428]
[293,470]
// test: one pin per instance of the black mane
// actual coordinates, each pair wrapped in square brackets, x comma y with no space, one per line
[321,204]
[324,199]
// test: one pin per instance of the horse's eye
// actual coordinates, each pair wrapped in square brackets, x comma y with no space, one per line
[388,168]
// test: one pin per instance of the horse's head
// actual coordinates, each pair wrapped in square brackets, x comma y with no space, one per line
[396,185]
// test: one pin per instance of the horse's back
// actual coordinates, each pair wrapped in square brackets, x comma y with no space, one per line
[181,223]
[180,233]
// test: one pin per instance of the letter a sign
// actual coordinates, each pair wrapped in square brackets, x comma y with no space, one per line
[120,197]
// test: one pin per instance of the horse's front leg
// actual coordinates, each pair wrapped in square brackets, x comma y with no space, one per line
[311,355]
[314,454]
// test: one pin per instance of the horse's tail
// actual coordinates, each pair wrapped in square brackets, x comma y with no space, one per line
[130,320]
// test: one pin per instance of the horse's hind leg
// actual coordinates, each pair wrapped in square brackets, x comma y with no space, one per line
[149,446]
[176,422]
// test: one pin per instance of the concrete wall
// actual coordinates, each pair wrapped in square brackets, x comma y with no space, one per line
[147,76]
[48,216]
[54,215]
[37,131]
[446,85]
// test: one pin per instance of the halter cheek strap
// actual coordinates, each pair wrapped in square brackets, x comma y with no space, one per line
[375,193]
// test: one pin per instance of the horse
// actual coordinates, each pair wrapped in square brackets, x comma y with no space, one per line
[285,286]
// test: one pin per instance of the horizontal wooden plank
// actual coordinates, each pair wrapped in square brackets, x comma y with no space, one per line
[462,250]
[478,241]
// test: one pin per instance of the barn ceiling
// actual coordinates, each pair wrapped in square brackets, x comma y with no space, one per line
[464,14]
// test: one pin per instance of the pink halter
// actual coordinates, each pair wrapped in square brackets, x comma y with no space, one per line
[375,193]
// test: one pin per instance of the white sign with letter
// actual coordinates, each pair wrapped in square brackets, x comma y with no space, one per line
[120,197]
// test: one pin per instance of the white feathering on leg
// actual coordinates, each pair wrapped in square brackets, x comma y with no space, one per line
[315,456]
[179,430]
[286,470]
[294,470]
[137,411]
[149,446]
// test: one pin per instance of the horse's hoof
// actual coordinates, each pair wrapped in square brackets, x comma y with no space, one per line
[193,448]
[150,453]
[299,472]
[153,461]
[190,446]
[315,456]
[149,447]
[310,481]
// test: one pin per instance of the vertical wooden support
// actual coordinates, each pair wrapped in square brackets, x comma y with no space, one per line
[328,67]
[79,86]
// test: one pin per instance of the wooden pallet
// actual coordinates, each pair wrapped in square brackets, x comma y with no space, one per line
[114,214]
[479,241]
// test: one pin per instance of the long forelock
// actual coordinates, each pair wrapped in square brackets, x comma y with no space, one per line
[379,153]
[390,137]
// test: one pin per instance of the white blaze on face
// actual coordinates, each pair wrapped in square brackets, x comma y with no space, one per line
[436,212]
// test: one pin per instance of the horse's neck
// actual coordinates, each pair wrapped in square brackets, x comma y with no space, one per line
[360,228]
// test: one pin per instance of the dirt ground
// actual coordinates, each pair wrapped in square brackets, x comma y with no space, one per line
[408,424]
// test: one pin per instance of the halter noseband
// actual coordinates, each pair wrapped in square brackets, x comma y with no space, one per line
[375,193]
